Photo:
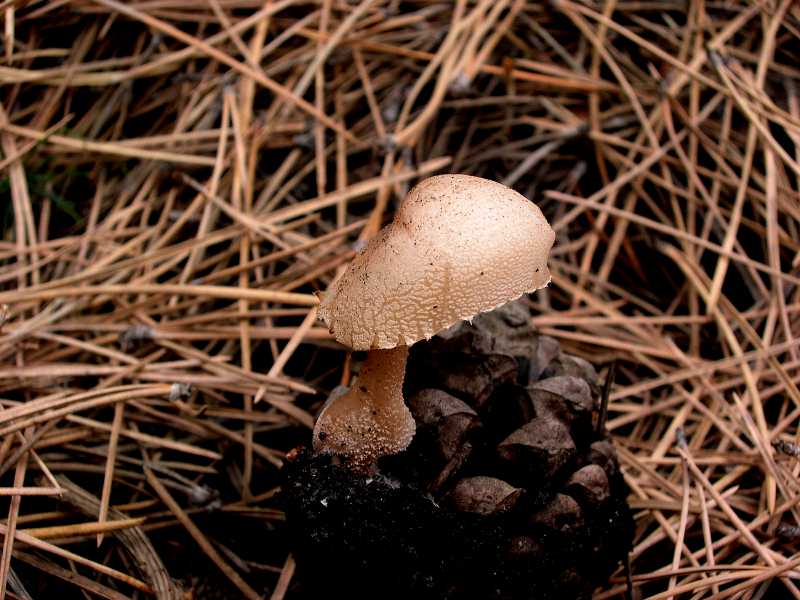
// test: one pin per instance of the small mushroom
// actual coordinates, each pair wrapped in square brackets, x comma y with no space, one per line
[458,246]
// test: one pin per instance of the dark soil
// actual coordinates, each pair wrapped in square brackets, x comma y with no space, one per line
[506,491]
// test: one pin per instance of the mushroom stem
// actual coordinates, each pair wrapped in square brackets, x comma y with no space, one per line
[371,419]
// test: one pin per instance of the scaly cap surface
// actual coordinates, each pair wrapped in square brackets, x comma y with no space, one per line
[458,246]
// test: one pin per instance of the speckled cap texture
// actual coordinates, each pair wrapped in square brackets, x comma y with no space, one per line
[458,246]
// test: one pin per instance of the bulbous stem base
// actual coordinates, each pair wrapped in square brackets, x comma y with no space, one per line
[371,419]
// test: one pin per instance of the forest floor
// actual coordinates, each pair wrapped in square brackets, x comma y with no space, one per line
[179,178]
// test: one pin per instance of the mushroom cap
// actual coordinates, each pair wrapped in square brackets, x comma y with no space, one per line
[458,246]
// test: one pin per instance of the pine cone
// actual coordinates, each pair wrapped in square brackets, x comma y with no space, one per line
[506,491]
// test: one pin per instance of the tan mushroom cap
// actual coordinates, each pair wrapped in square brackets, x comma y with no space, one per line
[458,246]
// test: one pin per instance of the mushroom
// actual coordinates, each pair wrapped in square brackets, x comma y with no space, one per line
[458,246]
